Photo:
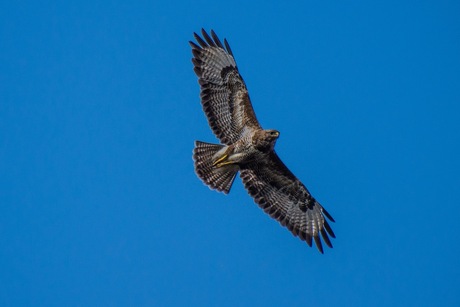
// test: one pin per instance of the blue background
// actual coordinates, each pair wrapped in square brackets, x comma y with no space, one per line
[99,108]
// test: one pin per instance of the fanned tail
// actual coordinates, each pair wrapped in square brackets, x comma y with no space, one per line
[217,178]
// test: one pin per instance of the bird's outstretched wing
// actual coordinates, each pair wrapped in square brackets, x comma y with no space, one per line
[224,95]
[280,194]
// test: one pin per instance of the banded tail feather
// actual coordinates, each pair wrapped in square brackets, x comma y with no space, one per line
[217,178]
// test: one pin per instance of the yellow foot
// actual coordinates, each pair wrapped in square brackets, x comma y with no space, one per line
[225,156]
[223,164]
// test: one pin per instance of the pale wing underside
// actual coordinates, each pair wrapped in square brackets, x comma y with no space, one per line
[224,95]
[280,194]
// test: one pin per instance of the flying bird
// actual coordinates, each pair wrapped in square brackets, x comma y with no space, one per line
[248,148]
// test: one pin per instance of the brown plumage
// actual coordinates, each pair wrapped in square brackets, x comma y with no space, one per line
[248,148]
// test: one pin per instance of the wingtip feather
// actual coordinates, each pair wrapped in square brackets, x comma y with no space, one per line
[200,41]
[194,46]
[327,215]
[329,229]
[208,38]
[326,238]
[318,244]
[227,46]
[216,39]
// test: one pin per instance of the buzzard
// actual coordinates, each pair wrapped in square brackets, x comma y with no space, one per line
[248,148]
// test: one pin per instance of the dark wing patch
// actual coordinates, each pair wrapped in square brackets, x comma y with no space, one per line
[224,95]
[280,194]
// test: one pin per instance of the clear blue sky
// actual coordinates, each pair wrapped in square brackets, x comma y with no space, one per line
[99,109]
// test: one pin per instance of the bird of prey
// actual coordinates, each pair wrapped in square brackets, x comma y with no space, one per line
[248,148]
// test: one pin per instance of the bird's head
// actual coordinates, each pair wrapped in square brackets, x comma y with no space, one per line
[272,135]
[265,139]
